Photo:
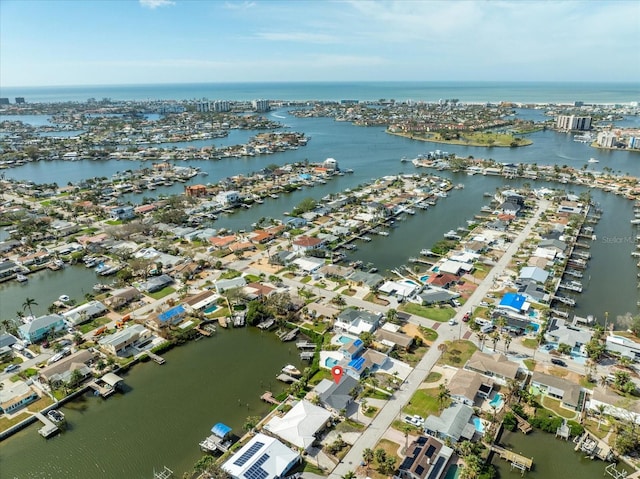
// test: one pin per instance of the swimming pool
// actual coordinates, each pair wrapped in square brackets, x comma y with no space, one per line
[477,422]
[408,281]
[436,269]
[344,339]
[424,278]
[330,362]
[533,327]
[496,402]
[210,309]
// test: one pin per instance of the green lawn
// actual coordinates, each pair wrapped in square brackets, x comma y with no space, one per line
[554,405]
[458,353]
[93,324]
[428,334]
[424,402]
[530,364]
[530,343]
[433,377]
[429,312]
[319,376]
[162,293]
[413,356]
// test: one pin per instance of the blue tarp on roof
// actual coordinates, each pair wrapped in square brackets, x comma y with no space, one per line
[172,314]
[220,430]
[514,301]
[357,342]
[356,363]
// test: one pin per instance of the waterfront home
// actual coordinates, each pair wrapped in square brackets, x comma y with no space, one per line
[36,258]
[262,457]
[455,267]
[170,317]
[309,264]
[119,342]
[222,242]
[534,274]
[533,291]
[84,312]
[201,300]
[6,341]
[617,406]
[371,280]
[334,396]
[627,346]
[454,423]
[399,289]
[430,296]
[465,385]
[509,208]
[442,280]
[563,332]
[494,366]
[40,327]
[350,348]
[156,283]
[570,394]
[121,297]
[356,322]
[301,425]
[9,268]
[122,213]
[62,371]
[15,396]
[427,458]
[228,198]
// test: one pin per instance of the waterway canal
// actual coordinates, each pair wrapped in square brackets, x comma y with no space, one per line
[163,414]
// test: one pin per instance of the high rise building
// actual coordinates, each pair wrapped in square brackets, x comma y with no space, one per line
[573,122]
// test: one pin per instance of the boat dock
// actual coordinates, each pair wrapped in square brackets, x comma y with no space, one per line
[204,332]
[101,390]
[523,424]
[305,345]
[285,378]
[166,473]
[268,398]
[287,335]
[517,461]
[594,447]
[307,355]
[49,428]
[155,357]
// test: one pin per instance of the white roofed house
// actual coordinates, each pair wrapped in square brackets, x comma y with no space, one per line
[356,322]
[300,425]
[118,342]
[84,312]
[263,457]
[563,332]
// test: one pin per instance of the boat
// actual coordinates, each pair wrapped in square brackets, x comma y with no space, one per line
[64,298]
[291,370]
[101,287]
[426,252]
[56,416]
[21,278]
[593,160]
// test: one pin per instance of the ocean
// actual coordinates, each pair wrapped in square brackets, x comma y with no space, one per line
[473,92]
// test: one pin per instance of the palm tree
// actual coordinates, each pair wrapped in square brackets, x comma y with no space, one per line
[604,382]
[443,396]
[506,337]
[495,336]
[367,458]
[392,315]
[349,475]
[481,338]
[600,408]
[28,303]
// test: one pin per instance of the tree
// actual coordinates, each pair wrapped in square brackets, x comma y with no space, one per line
[380,455]
[250,423]
[506,337]
[600,408]
[392,315]
[443,396]
[367,457]
[28,304]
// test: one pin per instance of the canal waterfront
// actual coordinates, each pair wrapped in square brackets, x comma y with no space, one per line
[552,458]
[163,414]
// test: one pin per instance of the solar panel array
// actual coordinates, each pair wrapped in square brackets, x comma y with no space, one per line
[248,454]
[255,471]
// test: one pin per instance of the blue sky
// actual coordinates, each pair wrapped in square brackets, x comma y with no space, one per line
[182,41]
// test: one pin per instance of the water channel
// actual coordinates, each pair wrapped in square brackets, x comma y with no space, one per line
[164,412]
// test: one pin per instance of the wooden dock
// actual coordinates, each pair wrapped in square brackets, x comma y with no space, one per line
[49,428]
[523,425]
[517,461]
[285,378]
[204,332]
[288,335]
[268,397]
[103,391]
[307,355]
[155,357]
[305,345]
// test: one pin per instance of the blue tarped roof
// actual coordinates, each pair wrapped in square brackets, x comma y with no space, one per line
[513,300]
[220,430]
[356,363]
[171,313]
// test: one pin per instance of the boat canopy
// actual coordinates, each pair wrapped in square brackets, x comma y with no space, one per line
[220,430]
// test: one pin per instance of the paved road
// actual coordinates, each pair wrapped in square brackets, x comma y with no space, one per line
[392,409]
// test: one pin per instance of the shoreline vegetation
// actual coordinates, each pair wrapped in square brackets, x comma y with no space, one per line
[479,139]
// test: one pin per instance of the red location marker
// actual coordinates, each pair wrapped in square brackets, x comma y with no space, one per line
[337,373]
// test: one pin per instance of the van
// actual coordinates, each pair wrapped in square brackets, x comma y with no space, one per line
[487,328]
[11,367]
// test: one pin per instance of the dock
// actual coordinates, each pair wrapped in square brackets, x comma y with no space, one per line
[285,378]
[563,431]
[268,398]
[101,390]
[594,447]
[203,332]
[523,424]
[305,345]
[288,335]
[155,357]
[49,428]
[166,473]
[517,461]
[307,355]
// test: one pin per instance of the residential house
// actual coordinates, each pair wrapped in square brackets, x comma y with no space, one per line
[426,458]
[339,396]
[201,300]
[121,297]
[514,302]
[371,280]
[40,327]
[614,405]
[534,274]
[394,338]
[356,321]
[494,366]
[465,385]
[443,280]
[626,346]
[223,285]
[15,396]
[304,243]
[509,208]
[85,312]
[228,198]
[262,457]
[563,332]
[167,318]
[156,283]
[454,423]
[62,372]
[351,349]
[118,342]
[570,394]
[39,257]
[435,296]
[301,425]
[9,268]
[122,213]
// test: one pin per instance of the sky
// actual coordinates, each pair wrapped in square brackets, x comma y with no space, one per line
[103,42]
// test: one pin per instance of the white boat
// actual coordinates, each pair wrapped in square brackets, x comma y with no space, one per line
[291,370]
[21,278]
[64,298]
[56,416]
[593,160]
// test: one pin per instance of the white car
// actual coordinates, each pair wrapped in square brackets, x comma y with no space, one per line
[452,322]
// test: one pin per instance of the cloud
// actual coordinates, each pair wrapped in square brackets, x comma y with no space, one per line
[298,37]
[153,4]
[239,5]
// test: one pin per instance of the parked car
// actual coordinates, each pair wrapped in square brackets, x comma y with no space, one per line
[466,317]
[558,362]
[452,322]
[11,367]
